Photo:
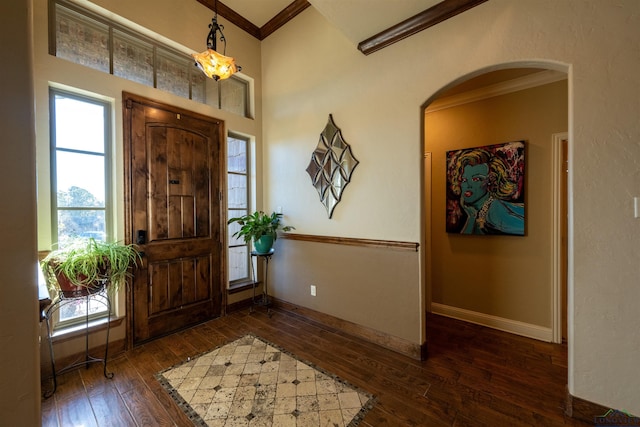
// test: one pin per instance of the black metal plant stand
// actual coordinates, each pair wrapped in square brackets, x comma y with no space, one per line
[263,299]
[102,297]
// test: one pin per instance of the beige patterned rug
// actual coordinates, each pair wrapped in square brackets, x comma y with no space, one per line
[251,382]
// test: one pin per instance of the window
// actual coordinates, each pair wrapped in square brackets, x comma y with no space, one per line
[94,41]
[79,178]
[238,199]
[85,38]
[233,96]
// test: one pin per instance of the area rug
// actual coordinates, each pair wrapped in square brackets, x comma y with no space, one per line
[252,382]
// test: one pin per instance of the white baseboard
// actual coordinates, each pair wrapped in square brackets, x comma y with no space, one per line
[513,326]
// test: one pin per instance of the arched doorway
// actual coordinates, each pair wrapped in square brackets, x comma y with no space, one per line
[506,282]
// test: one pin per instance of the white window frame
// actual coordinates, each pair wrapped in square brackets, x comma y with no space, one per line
[234,212]
[108,202]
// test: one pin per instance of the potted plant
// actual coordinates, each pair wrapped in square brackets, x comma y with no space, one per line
[86,266]
[260,228]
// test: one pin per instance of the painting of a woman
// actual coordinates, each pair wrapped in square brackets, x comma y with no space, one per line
[485,190]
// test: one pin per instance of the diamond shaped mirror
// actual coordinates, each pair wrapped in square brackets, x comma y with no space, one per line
[331,166]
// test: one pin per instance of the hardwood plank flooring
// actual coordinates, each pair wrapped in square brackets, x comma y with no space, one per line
[474,376]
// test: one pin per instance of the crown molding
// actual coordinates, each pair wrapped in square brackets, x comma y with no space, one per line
[425,19]
[502,88]
[232,16]
[284,16]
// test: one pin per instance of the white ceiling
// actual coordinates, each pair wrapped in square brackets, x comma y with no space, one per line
[357,19]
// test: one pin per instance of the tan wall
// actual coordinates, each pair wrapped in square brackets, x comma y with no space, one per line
[363,285]
[183,23]
[311,70]
[319,72]
[189,31]
[503,276]
[19,355]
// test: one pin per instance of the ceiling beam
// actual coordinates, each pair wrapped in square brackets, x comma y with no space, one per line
[284,16]
[423,20]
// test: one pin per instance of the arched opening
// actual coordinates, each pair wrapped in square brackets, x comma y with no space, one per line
[513,283]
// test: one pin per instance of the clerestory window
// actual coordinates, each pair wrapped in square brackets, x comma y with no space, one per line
[95,41]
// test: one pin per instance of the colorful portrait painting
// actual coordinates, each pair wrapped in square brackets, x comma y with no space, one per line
[485,189]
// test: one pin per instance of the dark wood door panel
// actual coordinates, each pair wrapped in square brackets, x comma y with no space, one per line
[175,209]
[156,250]
[177,164]
[181,319]
[178,283]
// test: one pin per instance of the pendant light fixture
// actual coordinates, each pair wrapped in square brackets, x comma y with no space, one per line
[213,64]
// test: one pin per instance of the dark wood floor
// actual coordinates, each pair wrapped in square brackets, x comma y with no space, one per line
[474,376]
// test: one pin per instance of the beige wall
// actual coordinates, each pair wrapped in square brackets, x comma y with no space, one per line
[188,29]
[19,355]
[185,25]
[352,282]
[311,70]
[504,276]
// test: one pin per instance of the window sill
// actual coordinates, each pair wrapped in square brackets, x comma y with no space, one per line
[241,286]
[75,331]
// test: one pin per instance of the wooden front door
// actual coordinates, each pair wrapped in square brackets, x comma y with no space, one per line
[173,180]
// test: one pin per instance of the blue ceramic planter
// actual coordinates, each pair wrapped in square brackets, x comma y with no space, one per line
[263,244]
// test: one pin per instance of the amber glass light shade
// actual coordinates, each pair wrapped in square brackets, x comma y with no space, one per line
[215,65]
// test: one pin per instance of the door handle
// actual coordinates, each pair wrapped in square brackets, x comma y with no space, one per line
[141,238]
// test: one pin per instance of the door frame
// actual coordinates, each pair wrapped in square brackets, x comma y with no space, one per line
[129,233]
[557,279]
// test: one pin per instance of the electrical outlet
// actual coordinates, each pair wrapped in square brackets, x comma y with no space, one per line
[313,290]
